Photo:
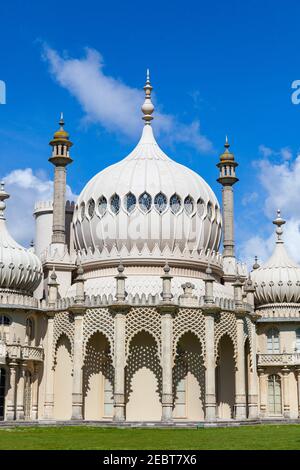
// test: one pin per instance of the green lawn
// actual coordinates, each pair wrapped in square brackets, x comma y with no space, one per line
[95,438]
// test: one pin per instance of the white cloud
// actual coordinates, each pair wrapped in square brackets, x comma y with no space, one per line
[280,189]
[113,104]
[25,188]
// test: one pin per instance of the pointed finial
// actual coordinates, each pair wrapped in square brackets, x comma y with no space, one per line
[226,145]
[147,107]
[53,274]
[256,265]
[166,267]
[279,221]
[61,121]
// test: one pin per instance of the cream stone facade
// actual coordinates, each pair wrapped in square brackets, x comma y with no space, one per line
[125,310]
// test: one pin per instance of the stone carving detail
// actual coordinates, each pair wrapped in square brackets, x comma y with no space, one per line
[98,320]
[63,324]
[187,320]
[225,323]
[143,319]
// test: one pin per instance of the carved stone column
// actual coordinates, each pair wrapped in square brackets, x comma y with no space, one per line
[240,385]
[286,397]
[298,388]
[253,377]
[11,394]
[167,312]
[77,400]
[35,392]
[49,371]
[119,310]
[263,393]
[210,364]
[20,392]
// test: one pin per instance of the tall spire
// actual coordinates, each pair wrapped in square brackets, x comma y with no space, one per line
[147,107]
[3,195]
[279,221]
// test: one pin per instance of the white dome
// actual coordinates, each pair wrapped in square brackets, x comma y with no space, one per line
[147,202]
[20,269]
[277,280]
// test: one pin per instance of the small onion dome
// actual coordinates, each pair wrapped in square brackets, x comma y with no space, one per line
[227,155]
[20,269]
[278,279]
[61,136]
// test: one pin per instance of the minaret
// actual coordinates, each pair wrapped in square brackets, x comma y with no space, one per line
[227,179]
[60,159]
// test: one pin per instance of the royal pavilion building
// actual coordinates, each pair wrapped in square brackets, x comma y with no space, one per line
[132,307]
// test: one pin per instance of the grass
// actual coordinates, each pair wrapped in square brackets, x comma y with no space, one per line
[95,438]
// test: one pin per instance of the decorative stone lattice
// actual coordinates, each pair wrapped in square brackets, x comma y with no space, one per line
[98,359]
[225,323]
[98,320]
[63,325]
[143,319]
[189,320]
[143,355]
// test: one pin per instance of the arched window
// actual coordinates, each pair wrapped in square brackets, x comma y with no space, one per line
[4,320]
[91,208]
[273,341]
[274,395]
[102,205]
[200,207]
[175,203]
[130,202]
[160,202]
[189,205]
[30,329]
[145,201]
[298,340]
[115,203]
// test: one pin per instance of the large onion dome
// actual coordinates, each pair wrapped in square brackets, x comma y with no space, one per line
[147,205]
[20,269]
[278,279]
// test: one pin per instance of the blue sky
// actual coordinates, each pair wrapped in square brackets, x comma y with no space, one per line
[219,67]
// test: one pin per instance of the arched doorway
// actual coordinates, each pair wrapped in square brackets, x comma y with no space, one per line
[189,379]
[63,379]
[143,379]
[2,392]
[98,377]
[225,375]
[274,395]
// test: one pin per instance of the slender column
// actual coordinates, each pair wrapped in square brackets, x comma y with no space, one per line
[49,371]
[210,372]
[35,392]
[59,195]
[253,378]
[77,404]
[11,394]
[240,386]
[119,379]
[286,397]
[167,363]
[297,371]
[263,394]
[20,392]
